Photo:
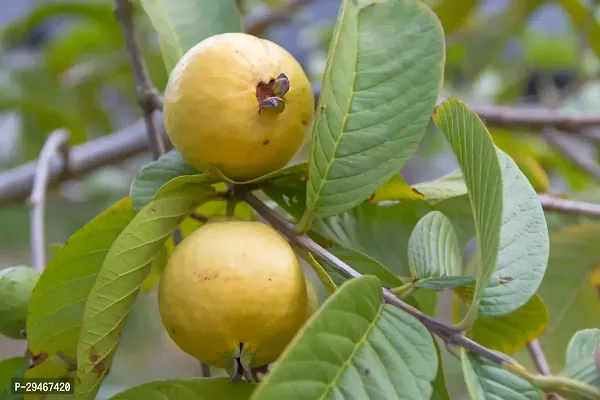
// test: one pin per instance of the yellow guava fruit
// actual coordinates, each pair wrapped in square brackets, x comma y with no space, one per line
[232,285]
[238,103]
[16,286]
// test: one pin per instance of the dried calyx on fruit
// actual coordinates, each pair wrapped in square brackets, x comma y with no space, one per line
[271,95]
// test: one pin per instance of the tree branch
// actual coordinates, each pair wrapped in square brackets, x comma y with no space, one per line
[147,95]
[539,359]
[56,142]
[446,332]
[535,117]
[257,25]
[572,207]
[449,334]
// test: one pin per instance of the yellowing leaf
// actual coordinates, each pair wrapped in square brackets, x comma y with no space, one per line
[534,172]
[395,189]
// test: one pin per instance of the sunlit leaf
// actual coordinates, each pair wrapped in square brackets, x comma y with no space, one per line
[395,189]
[58,300]
[125,267]
[452,13]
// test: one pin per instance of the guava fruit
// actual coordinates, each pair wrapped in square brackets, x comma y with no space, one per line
[238,103]
[16,285]
[231,286]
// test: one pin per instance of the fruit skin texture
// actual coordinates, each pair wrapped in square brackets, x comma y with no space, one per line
[16,285]
[233,282]
[211,109]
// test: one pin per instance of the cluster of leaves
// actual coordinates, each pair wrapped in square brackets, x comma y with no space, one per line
[382,80]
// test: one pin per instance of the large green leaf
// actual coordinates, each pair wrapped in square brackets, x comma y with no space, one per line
[381,82]
[11,368]
[434,256]
[581,354]
[490,381]
[478,160]
[125,268]
[190,388]
[567,289]
[365,265]
[181,24]
[355,347]
[58,300]
[524,245]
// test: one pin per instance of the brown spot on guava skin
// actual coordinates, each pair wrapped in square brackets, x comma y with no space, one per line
[304,122]
[266,142]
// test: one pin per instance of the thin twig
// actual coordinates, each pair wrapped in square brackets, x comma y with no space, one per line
[566,206]
[563,143]
[16,183]
[147,95]
[535,117]
[541,364]
[199,217]
[55,144]
[447,333]
[257,25]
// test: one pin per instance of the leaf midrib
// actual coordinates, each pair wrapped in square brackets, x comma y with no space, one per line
[346,114]
[357,346]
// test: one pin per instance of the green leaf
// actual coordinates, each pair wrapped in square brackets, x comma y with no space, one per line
[580,14]
[381,82]
[444,282]
[11,368]
[433,249]
[181,24]
[443,188]
[478,160]
[567,289]
[355,347]
[125,267]
[154,175]
[157,266]
[58,300]
[510,333]
[365,265]
[452,14]
[382,232]
[190,388]
[395,189]
[490,381]
[524,245]
[213,175]
[325,279]
[581,364]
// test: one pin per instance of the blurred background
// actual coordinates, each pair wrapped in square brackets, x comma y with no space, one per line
[63,64]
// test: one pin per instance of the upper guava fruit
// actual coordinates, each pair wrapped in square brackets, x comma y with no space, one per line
[238,103]
[232,284]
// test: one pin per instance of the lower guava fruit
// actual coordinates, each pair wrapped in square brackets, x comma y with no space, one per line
[231,286]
